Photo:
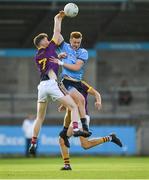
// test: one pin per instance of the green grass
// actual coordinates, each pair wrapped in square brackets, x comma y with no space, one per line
[83,168]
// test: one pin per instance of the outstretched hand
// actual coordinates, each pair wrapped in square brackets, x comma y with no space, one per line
[98,105]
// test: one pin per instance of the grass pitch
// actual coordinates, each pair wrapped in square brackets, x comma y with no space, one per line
[83,168]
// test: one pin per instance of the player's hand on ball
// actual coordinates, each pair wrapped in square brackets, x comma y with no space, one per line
[98,105]
[61,15]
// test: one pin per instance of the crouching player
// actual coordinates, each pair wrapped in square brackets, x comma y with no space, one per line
[86,143]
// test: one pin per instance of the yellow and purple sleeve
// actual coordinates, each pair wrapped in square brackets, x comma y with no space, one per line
[86,86]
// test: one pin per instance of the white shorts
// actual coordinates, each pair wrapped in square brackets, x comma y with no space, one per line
[49,89]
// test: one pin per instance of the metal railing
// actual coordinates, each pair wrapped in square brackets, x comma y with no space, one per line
[18,105]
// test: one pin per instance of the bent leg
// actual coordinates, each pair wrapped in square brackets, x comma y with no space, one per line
[79,100]
[87,144]
[68,102]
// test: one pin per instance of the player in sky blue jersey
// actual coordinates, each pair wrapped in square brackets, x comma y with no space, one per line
[73,62]
[74,56]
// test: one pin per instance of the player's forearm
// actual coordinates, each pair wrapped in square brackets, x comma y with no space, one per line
[96,94]
[57,26]
[72,67]
[97,97]
[60,39]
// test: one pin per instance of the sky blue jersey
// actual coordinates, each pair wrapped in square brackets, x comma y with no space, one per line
[72,57]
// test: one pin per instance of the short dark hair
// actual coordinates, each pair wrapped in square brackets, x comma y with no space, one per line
[38,38]
[76,35]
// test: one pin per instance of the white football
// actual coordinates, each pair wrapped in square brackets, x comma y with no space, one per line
[71,10]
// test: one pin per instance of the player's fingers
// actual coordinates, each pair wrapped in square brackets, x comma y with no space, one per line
[52,59]
[61,108]
[64,54]
[62,14]
[98,105]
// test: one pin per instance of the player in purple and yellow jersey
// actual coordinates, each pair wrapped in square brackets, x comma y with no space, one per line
[86,143]
[48,87]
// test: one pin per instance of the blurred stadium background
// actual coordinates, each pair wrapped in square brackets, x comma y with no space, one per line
[116,34]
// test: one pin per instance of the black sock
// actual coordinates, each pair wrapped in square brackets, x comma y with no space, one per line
[83,120]
[65,129]
[84,125]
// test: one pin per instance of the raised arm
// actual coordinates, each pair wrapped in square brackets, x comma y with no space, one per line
[57,26]
[61,39]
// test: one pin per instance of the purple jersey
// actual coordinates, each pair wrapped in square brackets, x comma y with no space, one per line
[42,59]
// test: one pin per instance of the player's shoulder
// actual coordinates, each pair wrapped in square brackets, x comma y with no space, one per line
[39,53]
[68,44]
[83,54]
[64,44]
[83,50]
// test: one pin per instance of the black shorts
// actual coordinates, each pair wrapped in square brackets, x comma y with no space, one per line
[73,84]
[80,86]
